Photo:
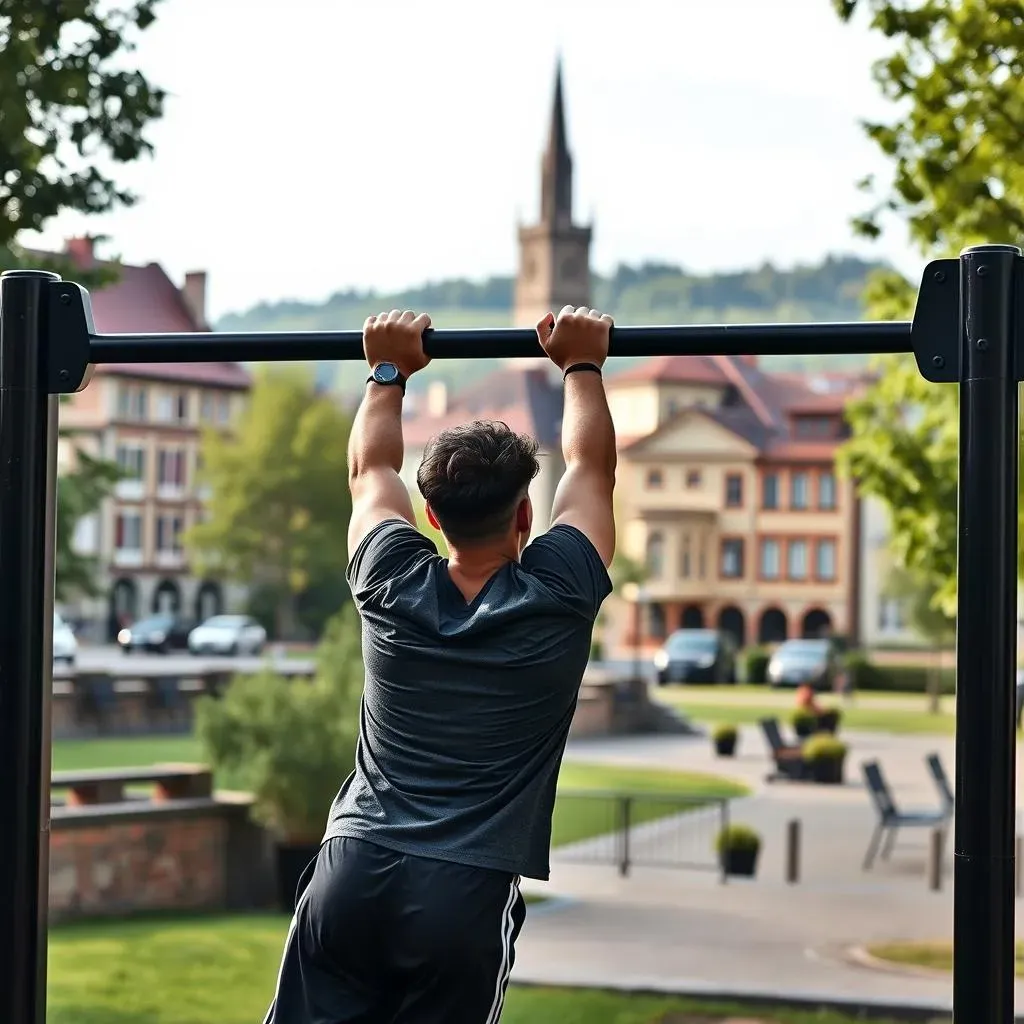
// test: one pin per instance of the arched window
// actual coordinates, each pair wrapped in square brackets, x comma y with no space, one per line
[655,556]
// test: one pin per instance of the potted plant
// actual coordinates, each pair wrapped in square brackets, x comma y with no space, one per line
[825,757]
[724,737]
[738,847]
[289,743]
[805,723]
[828,720]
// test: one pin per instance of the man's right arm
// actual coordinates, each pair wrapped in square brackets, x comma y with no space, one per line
[583,498]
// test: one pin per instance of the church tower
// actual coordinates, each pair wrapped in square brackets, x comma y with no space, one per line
[554,254]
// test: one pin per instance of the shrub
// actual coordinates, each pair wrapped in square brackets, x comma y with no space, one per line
[290,743]
[737,837]
[724,732]
[804,721]
[866,675]
[824,748]
[754,665]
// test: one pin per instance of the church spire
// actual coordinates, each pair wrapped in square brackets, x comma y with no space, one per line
[556,167]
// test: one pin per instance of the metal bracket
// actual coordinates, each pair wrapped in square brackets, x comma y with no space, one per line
[935,331]
[69,325]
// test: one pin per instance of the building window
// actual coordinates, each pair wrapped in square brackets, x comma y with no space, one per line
[814,427]
[702,561]
[170,468]
[798,491]
[685,561]
[128,531]
[131,460]
[770,491]
[825,560]
[168,534]
[827,491]
[733,490]
[692,478]
[181,406]
[655,556]
[770,560]
[654,479]
[206,407]
[796,560]
[890,615]
[732,558]
[131,402]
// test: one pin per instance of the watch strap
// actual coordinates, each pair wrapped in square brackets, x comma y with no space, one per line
[576,367]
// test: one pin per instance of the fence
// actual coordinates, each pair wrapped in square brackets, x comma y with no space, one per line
[967,330]
[639,829]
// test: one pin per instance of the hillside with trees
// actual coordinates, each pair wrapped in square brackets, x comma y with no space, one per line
[652,293]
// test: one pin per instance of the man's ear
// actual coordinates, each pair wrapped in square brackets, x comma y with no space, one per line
[524,516]
[431,518]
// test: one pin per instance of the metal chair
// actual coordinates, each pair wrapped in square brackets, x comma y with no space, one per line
[941,779]
[890,818]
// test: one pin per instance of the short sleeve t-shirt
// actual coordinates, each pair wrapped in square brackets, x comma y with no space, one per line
[466,706]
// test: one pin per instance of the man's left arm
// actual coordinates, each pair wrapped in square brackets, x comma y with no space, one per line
[376,449]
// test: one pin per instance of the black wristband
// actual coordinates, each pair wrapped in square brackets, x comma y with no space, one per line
[593,367]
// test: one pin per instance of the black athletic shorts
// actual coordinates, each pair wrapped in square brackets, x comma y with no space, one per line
[381,937]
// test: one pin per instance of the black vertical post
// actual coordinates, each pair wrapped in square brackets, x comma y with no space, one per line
[26,628]
[983,939]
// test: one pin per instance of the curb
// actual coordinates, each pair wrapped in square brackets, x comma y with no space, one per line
[859,955]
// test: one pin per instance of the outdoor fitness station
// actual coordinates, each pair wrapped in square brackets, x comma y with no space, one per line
[967,329]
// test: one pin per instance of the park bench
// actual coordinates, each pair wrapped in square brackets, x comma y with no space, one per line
[890,818]
[108,785]
[788,757]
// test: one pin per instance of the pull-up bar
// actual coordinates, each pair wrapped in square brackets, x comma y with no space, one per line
[966,329]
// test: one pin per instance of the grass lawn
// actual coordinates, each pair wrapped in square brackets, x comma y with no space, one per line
[221,970]
[875,717]
[936,955]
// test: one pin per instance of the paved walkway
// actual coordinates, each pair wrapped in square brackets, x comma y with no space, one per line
[684,930]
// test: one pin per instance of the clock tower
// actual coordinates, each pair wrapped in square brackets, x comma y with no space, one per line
[554,253]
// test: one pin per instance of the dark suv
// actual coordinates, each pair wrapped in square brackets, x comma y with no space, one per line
[697,656]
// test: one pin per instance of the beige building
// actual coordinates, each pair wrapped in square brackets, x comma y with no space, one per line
[148,419]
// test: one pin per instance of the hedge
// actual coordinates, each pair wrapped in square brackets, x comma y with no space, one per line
[754,665]
[897,678]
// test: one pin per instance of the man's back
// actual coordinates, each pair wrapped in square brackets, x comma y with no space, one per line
[467,704]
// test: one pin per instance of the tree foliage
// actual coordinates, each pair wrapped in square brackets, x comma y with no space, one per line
[70,106]
[954,76]
[279,501]
[956,79]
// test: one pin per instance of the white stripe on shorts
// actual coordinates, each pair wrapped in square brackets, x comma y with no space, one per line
[505,967]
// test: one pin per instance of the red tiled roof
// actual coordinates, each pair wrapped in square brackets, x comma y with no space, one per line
[811,403]
[672,369]
[215,375]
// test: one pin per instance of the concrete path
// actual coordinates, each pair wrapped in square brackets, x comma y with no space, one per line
[684,930]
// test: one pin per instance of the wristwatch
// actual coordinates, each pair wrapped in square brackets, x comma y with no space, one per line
[386,374]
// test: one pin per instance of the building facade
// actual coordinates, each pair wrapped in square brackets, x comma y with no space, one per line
[148,419]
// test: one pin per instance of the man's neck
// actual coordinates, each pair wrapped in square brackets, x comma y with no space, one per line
[471,568]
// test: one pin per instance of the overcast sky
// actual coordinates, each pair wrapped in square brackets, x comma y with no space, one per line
[315,145]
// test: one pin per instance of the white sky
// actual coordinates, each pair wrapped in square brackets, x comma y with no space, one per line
[314,145]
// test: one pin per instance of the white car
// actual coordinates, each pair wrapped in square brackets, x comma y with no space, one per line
[65,646]
[228,634]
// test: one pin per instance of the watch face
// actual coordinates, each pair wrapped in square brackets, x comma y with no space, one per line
[385,373]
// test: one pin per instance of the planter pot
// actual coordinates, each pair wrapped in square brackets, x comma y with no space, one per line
[805,729]
[291,860]
[828,722]
[739,862]
[726,747]
[828,771]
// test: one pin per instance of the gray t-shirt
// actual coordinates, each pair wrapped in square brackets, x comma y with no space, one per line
[466,706]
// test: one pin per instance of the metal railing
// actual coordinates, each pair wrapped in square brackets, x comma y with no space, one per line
[664,830]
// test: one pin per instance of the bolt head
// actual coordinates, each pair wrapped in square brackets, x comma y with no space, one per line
[983,270]
[65,298]
[940,276]
[64,375]
[938,362]
[982,344]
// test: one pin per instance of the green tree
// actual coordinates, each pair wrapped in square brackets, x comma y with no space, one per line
[71,106]
[956,80]
[279,500]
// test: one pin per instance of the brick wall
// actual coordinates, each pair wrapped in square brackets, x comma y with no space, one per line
[112,860]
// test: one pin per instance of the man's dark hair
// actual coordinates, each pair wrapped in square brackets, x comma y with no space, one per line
[473,476]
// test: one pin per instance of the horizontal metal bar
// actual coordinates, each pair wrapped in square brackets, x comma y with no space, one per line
[695,339]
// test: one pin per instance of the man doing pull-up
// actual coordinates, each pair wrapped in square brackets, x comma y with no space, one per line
[411,910]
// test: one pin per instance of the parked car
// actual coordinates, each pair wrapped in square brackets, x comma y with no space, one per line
[228,634]
[65,646]
[697,656]
[158,634]
[797,662]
